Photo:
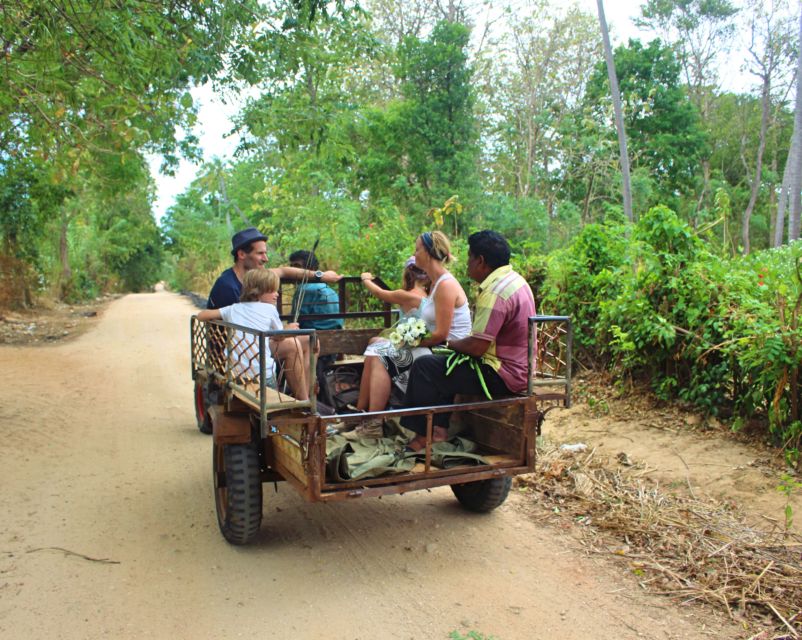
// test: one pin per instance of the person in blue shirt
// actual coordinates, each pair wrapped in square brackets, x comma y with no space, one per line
[314,297]
[249,251]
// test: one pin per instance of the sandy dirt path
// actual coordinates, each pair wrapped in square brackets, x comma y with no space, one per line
[108,527]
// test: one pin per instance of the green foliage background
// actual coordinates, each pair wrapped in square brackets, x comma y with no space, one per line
[720,333]
[364,119]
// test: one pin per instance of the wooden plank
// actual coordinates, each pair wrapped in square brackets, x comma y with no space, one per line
[496,459]
[297,483]
[249,394]
[229,428]
[288,458]
[511,413]
[349,359]
[351,341]
[271,395]
[492,433]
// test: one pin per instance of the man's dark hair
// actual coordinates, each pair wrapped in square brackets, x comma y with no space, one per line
[302,257]
[492,246]
[246,248]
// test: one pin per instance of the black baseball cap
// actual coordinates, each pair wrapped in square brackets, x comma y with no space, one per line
[246,236]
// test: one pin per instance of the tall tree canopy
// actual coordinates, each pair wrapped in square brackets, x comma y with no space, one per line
[441,130]
[108,76]
[661,123]
[87,86]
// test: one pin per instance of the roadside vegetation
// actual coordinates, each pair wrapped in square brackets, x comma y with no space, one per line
[720,333]
[366,124]
[692,549]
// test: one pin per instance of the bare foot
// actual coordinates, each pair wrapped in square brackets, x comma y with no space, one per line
[416,444]
[439,434]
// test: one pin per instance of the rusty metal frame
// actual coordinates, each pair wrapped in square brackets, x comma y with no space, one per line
[550,346]
[550,355]
[312,445]
[228,366]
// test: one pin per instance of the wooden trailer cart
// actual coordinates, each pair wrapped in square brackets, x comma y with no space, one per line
[264,435]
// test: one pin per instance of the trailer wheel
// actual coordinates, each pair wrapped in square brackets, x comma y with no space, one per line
[202,409]
[484,495]
[237,491]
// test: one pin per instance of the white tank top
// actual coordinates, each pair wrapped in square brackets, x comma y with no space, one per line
[460,322]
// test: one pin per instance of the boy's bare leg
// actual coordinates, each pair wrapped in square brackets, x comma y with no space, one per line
[296,364]
[304,342]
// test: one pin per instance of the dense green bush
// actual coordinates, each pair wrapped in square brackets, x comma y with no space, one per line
[720,333]
[581,278]
[765,340]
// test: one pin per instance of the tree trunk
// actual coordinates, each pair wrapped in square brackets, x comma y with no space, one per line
[64,257]
[758,178]
[619,113]
[705,191]
[773,193]
[795,181]
[586,203]
[782,202]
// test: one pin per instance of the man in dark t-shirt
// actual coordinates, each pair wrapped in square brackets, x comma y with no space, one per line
[249,250]
[226,290]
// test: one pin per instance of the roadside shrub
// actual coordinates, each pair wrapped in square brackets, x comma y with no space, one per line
[765,340]
[720,333]
[580,278]
[660,317]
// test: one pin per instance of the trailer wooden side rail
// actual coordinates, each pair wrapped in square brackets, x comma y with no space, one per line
[262,434]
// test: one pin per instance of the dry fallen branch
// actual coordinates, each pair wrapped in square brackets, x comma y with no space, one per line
[684,547]
[73,553]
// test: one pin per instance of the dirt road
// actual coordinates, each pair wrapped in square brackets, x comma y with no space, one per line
[108,527]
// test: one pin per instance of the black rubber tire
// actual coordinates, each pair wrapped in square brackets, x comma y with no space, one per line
[237,491]
[484,495]
[202,409]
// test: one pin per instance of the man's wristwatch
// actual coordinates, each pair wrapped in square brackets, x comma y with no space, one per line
[318,275]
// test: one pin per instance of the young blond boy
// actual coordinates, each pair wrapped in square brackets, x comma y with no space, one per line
[257,310]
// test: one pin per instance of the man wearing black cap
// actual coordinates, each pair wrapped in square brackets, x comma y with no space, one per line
[249,248]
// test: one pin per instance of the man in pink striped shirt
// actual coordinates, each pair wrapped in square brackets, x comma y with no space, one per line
[498,340]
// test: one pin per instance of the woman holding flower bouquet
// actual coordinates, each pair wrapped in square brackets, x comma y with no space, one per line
[445,315]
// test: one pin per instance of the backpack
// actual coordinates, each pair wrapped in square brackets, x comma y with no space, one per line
[340,387]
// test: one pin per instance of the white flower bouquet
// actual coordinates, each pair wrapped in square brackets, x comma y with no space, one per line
[408,333]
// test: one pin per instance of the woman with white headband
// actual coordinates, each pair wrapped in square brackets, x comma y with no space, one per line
[445,312]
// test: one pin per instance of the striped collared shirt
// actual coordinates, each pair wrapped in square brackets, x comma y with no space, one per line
[503,308]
